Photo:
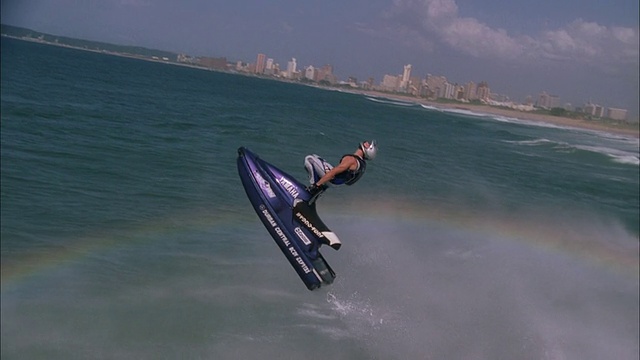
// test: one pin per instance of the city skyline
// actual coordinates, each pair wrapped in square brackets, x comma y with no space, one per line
[430,87]
[438,85]
[579,50]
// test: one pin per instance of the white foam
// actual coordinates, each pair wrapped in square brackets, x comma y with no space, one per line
[543,124]
[312,311]
[356,309]
[390,101]
[633,160]
[466,112]
[530,142]
[616,155]
[428,107]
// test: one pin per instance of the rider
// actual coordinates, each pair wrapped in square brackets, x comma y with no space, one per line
[350,169]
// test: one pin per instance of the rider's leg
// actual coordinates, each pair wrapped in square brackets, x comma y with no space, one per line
[316,167]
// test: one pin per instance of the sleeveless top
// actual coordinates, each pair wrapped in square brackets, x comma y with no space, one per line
[349,177]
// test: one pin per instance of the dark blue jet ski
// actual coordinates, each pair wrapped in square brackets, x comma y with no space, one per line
[288,212]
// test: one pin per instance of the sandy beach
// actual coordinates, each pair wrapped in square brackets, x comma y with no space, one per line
[623,129]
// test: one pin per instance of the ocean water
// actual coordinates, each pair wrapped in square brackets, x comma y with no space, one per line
[126,233]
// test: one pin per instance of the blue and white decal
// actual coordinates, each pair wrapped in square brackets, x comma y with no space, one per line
[291,189]
[302,236]
[264,185]
[283,238]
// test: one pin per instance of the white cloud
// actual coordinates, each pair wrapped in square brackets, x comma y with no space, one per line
[625,35]
[441,9]
[580,41]
[591,43]
[479,40]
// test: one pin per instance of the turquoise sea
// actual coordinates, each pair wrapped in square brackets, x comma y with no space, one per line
[126,233]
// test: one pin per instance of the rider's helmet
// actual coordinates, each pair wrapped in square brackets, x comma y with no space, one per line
[370,150]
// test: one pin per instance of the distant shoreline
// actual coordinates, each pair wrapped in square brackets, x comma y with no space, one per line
[628,130]
[632,130]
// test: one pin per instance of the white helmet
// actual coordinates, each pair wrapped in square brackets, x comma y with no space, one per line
[370,151]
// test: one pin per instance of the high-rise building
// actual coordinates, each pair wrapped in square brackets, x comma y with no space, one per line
[470,91]
[276,69]
[260,63]
[483,92]
[213,63]
[414,85]
[406,76]
[269,67]
[310,72]
[589,108]
[327,69]
[449,91]
[547,101]
[325,73]
[599,111]
[617,114]
[436,86]
[390,82]
[291,68]
[543,100]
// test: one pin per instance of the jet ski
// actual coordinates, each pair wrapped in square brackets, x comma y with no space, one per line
[288,212]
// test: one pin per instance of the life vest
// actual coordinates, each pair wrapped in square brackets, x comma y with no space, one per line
[349,177]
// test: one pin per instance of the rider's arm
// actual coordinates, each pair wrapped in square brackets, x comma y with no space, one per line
[343,166]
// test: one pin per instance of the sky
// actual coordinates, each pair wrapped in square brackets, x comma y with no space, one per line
[579,50]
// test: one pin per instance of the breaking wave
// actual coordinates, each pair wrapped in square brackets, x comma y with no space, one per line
[616,155]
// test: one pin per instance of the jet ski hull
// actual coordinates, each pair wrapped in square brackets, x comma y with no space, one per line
[282,204]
